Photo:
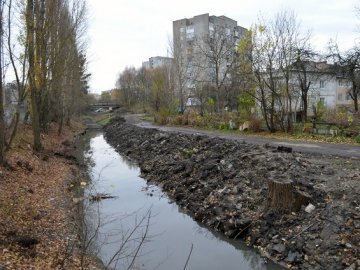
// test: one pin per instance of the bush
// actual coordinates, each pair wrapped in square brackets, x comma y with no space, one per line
[357,138]
[223,126]
[180,120]
[162,117]
[340,117]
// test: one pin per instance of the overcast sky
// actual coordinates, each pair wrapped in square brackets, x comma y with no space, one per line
[127,32]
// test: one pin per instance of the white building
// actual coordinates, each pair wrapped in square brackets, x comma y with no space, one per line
[158,61]
[326,84]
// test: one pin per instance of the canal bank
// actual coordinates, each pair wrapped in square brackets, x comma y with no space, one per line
[224,184]
[141,227]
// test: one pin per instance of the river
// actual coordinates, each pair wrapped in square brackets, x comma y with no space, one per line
[142,228]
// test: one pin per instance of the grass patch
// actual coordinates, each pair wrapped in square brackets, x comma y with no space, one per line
[147,117]
[104,119]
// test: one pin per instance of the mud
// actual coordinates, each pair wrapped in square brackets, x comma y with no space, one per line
[224,184]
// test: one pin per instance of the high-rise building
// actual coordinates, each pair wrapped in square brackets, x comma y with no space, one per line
[158,61]
[204,50]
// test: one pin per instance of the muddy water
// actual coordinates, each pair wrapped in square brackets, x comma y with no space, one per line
[142,223]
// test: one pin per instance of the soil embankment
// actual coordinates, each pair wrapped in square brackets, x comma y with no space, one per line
[225,185]
[37,217]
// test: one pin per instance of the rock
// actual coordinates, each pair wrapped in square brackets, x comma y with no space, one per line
[351,267]
[309,208]
[293,256]
[284,149]
[279,248]
[223,184]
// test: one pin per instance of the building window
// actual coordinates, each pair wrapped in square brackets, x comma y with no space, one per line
[190,32]
[182,29]
[340,97]
[322,84]
[348,97]
[228,32]
[211,29]
[322,100]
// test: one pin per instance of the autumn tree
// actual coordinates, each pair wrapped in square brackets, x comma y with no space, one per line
[160,94]
[144,83]
[55,61]
[128,87]
[33,22]
[244,78]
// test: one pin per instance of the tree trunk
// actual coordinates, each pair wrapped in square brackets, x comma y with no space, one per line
[305,108]
[2,113]
[33,91]
[2,126]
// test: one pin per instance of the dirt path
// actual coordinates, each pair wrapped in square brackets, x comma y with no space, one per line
[342,150]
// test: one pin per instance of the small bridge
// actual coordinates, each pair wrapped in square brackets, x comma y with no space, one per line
[106,106]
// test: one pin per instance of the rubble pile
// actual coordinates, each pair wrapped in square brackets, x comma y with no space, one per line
[225,185]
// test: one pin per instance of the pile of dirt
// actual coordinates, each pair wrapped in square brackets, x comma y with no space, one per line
[225,185]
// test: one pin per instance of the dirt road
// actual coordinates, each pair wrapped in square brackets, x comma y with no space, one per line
[341,150]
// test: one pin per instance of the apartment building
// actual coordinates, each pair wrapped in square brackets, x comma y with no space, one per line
[327,85]
[158,61]
[195,39]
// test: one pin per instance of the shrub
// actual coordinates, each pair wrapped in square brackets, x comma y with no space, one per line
[223,125]
[181,119]
[162,117]
[340,117]
[357,138]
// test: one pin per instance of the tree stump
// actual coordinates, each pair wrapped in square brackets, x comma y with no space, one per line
[281,195]
[284,197]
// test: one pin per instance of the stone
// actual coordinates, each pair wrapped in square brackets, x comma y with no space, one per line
[293,256]
[279,248]
[351,267]
[309,208]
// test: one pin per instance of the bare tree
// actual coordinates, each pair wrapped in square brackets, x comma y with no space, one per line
[18,63]
[274,50]
[306,70]
[181,70]
[216,58]
[2,121]
[349,65]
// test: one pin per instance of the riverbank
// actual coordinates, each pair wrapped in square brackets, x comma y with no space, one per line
[224,184]
[37,223]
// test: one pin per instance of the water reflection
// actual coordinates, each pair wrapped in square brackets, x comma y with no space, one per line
[163,230]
